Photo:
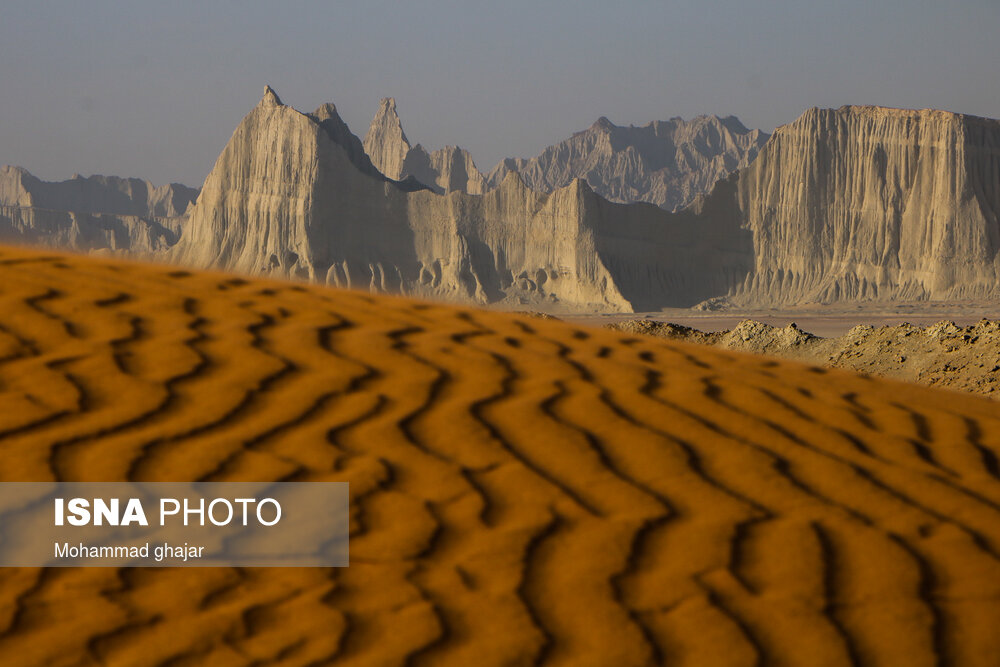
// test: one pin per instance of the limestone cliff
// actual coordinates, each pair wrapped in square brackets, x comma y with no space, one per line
[444,170]
[287,198]
[869,203]
[87,232]
[95,194]
[667,163]
[386,143]
[97,213]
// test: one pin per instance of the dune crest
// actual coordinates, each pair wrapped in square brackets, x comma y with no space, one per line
[523,491]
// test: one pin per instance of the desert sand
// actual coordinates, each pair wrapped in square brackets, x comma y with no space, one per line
[524,491]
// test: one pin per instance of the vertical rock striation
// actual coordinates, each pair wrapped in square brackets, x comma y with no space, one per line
[288,197]
[95,194]
[445,170]
[869,203]
[667,163]
[97,213]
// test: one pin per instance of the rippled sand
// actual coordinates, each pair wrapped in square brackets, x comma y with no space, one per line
[523,490]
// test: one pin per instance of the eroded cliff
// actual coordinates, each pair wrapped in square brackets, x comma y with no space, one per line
[286,198]
[97,213]
[444,170]
[667,163]
[95,194]
[869,203]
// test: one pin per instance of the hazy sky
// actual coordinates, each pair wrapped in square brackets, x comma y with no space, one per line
[154,90]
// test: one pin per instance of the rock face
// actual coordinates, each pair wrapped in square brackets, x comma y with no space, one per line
[95,194]
[445,170]
[88,232]
[869,203]
[97,213]
[287,197]
[859,203]
[667,163]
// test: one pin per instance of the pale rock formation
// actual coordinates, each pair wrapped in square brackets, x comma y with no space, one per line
[854,204]
[95,194]
[97,213]
[860,203]
[445,170]
[870,203]
[68,230]
[287,197]
[667,163]
[386,143]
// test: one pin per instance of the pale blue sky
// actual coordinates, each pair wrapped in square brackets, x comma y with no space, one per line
[155,89]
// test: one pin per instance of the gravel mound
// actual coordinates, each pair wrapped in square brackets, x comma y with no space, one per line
[942,354]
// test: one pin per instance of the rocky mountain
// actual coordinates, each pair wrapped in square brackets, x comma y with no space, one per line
[855,204]
[88,232]
[287,197]
[445,170]
[93,213]
[667,163]
[869,203]
[95,194]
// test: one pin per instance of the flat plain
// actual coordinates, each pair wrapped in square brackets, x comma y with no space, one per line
[524,491]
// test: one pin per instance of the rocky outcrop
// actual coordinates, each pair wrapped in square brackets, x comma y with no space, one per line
[95,194]
[869,203]
[386,143]
[667,163]
[965,358]
[287,197]
[861,203]
[445,170]
[88,232]
[97,213]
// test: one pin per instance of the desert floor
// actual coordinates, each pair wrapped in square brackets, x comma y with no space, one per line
[523,491]
[825,321]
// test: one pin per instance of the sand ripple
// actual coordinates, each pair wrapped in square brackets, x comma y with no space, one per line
[523,491]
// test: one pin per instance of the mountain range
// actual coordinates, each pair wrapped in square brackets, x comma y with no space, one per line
[667,163]
[855,204]
[92,213]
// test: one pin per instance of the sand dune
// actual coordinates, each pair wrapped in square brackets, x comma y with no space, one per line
[523,491]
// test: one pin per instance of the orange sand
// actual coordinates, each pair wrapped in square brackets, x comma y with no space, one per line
[523,491]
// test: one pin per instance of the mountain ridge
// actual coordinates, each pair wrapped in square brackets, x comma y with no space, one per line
[666,163]
[444,170]
[911,211]
[285,199]
[95,194]
[856,204]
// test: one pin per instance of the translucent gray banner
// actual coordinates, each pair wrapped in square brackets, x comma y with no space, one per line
[174,524]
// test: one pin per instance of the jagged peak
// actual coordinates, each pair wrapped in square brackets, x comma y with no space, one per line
[387,114]
[603,123]
[386,122]
[14,169]
[270,98]
[325,111]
